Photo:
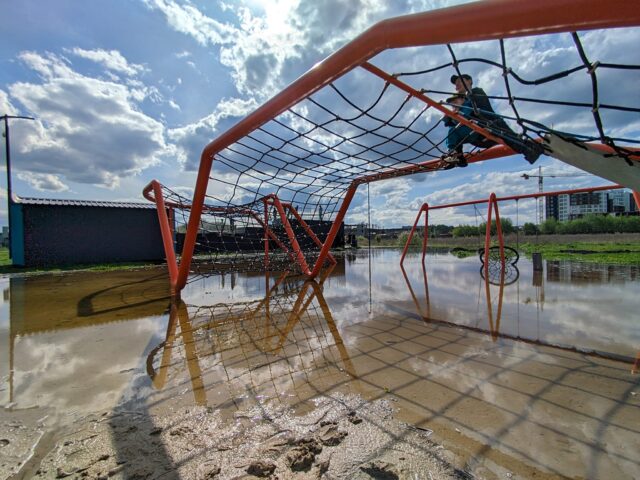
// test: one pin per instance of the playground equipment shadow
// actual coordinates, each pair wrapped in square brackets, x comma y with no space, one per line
[532,374]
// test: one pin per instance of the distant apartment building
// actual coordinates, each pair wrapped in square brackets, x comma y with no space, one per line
[576,205]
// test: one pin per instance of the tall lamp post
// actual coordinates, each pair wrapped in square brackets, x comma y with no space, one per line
[8,157]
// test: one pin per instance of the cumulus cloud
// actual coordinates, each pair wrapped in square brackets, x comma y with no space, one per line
[192,138]
[112,60]
[187,19]
[88,130]
[265,50]
[43,181]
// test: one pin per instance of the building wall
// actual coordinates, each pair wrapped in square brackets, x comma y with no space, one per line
[59,235]
[577,205]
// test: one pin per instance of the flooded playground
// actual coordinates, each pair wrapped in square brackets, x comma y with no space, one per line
[426,372]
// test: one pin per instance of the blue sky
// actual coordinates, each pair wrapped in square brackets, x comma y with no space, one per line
[127,91]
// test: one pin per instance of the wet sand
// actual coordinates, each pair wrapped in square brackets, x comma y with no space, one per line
[343,437]
[510,386]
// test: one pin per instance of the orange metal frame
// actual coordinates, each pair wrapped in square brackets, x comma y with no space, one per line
[166,221]
[491,19]
[493,205]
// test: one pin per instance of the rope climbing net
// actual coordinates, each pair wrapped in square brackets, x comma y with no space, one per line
[284,177]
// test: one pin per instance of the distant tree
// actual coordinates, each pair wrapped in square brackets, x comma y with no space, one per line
[416,240]
[505,223]
[440,229]
[530,228]
[465,231]
[549,226]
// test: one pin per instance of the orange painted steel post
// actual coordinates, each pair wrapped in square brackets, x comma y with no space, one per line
[331,236]
[167,237]
[291,234]
[423,208]
[487,238]
[426,232]
[266,236]
[499,230]
[636,198]
[308,229]
[493,205]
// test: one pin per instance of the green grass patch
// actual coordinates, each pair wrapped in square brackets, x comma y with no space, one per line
[595,252]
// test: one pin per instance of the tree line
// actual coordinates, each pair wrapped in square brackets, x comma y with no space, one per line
[551,226]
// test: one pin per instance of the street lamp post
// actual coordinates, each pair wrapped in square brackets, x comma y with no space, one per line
[8,157]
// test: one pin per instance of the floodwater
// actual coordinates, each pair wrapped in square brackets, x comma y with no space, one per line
[527,375]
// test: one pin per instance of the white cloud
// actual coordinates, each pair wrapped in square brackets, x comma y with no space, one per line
[185,18]
[6,108]
[112,60]
[191,139]
[43,181]
[88,130]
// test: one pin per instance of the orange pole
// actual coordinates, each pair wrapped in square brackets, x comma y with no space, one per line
[487,238]
[528,195]
[415,224]
[266,236]
[499,230]
[636,198]
[426,233]
[333,232]
[292,236]
[307,229]
[167,237]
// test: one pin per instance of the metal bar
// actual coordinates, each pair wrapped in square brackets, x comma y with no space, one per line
[426,233]
[487,238]
[292,236]
[498,228]
[307,229]
[167,237]
[529,195]
[423,208]
[492,153]
[266,237]
[636,198]
[272,235]
[331,236]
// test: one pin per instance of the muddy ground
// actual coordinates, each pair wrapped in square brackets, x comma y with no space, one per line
[342,437]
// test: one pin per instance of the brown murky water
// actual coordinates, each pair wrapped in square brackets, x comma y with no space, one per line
[529,377]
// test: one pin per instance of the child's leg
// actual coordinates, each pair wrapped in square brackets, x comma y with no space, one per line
[457,137]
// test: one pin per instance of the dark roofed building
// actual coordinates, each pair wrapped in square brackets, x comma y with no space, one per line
[49,232]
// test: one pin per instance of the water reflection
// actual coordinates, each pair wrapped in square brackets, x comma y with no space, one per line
[586,316]
[474,359]
[254,348]
[70,337]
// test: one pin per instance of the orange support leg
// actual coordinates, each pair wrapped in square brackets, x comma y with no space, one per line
[423,208]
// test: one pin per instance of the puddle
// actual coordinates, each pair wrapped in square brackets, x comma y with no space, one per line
[531,376]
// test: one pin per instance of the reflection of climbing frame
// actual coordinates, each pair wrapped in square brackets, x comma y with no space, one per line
[494,320]
[494,329]
[305,296]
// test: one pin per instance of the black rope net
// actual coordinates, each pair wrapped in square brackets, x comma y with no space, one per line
[254,347]
[365,126]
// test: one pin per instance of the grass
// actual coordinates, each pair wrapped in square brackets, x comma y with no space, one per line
[7,267]
[598,252]
[627,253]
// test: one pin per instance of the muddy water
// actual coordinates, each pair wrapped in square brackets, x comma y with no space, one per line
[526,374]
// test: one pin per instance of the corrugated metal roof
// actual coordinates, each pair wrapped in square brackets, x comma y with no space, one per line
[80,203]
